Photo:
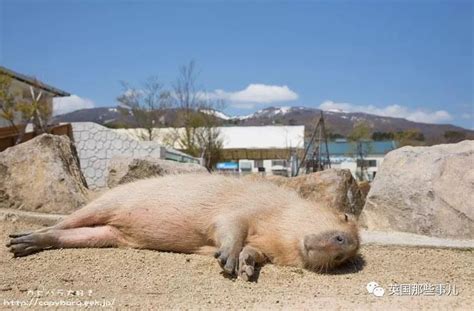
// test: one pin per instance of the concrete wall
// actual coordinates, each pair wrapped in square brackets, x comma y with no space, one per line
[96,145]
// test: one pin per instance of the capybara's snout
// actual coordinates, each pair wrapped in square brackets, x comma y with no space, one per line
[330,248]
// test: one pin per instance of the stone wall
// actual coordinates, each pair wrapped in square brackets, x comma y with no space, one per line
[96,145]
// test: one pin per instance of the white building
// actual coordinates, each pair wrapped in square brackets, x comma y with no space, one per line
[265,149]
[246,149]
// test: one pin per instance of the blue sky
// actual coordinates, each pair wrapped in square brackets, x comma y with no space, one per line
[409,59]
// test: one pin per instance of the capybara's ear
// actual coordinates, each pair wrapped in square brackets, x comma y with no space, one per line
[348,217]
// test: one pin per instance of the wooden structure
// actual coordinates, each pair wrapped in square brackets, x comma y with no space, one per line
[259,154]
[9,135]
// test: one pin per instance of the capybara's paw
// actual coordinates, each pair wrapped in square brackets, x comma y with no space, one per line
[24,244]
[246,266]
[227,260]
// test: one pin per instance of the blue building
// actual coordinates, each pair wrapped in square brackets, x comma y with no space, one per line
[362,158]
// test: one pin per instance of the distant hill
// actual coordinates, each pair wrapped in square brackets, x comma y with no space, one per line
[343,122]
[101,115]
[337,122]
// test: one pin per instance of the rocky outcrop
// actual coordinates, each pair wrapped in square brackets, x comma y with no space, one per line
[333,188]
[424,190]
[42,175]
[364,187]
[127,169]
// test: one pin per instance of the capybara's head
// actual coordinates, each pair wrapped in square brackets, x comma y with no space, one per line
[332,247]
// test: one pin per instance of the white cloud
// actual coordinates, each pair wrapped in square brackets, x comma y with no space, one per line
[466,115]
[396,111]
[71,103]
[255,94]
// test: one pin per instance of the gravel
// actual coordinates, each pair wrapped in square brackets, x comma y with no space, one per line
[143,279]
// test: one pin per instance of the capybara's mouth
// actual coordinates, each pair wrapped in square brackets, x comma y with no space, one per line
[328,266]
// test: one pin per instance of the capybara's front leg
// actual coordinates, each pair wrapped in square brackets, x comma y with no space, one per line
[49,238]
[229,236]
[249,257]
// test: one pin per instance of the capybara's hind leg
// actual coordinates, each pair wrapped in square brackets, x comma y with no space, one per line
[20,234]
[102,236]
[89,216]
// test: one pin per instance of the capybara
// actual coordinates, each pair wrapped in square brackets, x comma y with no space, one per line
[241,222]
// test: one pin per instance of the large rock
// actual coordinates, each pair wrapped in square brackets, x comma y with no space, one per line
[333,188]
[126,169]
[42,175]
[424,190]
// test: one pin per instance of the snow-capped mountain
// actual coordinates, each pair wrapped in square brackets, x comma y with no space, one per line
[271,112]
[337,121]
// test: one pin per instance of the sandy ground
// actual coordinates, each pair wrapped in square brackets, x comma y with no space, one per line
[142,279]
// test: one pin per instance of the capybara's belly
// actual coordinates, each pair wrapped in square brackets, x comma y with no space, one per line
[161,229]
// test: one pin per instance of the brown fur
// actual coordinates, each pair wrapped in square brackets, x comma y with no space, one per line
[206,214]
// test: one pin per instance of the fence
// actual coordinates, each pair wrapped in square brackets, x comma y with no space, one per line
[9,135]
[97,145]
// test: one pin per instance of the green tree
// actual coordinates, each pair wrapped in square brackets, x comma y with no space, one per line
[7,101]
[331,133]
[360,131]
[360,147]
[412,137]
[378,136]
[454,136]
[35,108]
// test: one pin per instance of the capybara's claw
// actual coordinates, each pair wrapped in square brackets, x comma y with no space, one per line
[28,239]
[19,234]
[246,266]
[231,265]
[228,262]
[24,244]
[24,249]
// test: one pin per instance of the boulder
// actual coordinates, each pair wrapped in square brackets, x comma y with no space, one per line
[127,169]
[364,187]
[424,190]
[42,175]
[333,188]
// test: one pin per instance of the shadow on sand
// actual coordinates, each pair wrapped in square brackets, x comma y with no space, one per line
[352,266]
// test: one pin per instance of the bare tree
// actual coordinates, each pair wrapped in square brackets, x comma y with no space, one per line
[200,136]
[147,105]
